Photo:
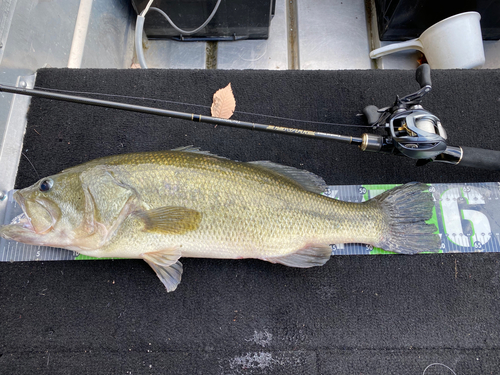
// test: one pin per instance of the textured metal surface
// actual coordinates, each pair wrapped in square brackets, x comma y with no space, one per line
[39,33]
[33,34]
[110,35]
[491,54]
[333,35]
[7,8]
[170,54]
[12,140]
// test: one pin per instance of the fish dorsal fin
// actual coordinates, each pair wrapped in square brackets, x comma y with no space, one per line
[196,150]
[170,275]
[170,220]
[304,258]
[307,180]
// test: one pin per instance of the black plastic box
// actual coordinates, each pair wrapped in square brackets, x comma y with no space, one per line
[407,19]
[234,20]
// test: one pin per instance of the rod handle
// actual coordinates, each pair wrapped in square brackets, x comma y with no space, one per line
[480,158]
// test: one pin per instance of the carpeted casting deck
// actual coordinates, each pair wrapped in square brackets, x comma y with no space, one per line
[356,315]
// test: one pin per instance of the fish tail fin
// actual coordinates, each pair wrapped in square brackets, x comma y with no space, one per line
[406,208]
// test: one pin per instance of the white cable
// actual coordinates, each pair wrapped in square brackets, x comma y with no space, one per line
[143,13]
[185,32]
[139,26]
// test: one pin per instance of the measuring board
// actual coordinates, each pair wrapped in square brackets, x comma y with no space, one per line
[466,215]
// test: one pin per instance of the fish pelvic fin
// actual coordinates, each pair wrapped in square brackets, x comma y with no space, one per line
[307,257]
[170,275]
[162,258]
[166,265]
[406,208]
[170,220]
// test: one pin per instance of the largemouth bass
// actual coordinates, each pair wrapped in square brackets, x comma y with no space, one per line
[161,206]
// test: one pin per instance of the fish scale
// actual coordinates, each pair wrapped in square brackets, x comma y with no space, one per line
[160,206]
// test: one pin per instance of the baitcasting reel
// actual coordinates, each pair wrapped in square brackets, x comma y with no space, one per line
[413,131]
[418,134]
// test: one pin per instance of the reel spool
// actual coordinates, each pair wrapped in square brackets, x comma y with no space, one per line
[417,134]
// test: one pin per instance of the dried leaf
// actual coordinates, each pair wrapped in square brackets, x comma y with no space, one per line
[224,103]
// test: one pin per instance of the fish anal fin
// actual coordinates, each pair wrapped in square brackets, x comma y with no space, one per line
[170,220]
[170,275]
[310,256]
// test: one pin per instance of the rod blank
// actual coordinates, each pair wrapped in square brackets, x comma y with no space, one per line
[182,115]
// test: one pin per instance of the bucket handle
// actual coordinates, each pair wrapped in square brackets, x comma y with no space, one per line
[396,47]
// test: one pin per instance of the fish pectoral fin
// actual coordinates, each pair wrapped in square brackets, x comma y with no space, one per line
[306,257]
[170,275]
[170,220]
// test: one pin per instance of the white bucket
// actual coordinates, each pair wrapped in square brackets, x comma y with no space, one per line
[453,43]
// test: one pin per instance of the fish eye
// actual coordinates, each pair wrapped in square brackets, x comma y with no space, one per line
[46,185]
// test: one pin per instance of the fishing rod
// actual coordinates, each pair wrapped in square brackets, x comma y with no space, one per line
[180,115]
[411,130]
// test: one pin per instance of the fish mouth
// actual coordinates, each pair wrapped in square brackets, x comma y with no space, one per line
[28,228]
[19,229]
[22,220]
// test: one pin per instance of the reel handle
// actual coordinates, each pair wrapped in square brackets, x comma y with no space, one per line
[371,113]
[423,75]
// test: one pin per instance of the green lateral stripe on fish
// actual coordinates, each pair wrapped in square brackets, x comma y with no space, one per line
[161,206]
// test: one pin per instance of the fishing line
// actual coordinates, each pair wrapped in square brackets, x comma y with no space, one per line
[29,161]
[203,106]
